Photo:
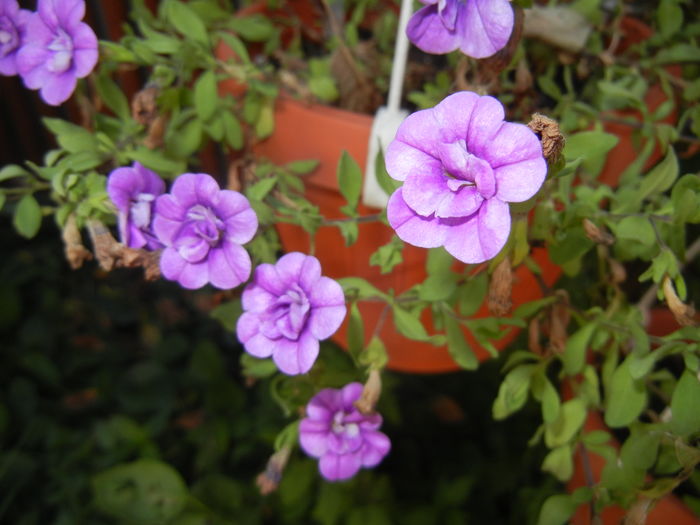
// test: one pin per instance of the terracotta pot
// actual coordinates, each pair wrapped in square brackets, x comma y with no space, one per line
[313,131]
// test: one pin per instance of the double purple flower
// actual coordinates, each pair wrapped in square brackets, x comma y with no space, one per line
[203,228]
[57,49]
[288,308]
[478,28]
[134,190]
[343,439]
[13,22]
[461,165]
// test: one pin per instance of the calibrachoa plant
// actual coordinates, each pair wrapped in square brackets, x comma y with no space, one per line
[494,205]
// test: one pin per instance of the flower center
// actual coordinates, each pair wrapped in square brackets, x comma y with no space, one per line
[288,314]
[340,426]
[62,47]
[465,169]
[206,224]
[141,210]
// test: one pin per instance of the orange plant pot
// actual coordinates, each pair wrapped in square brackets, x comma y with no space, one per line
[311,131]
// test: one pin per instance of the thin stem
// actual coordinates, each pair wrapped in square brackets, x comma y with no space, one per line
[365,218]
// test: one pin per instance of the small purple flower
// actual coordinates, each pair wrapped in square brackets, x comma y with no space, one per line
[203,228]
[461,165]
[478,28]
[13,21]
[58,49]
[339,435]
[288,308]
[133,191]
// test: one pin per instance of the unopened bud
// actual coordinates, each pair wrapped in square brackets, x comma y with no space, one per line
[500,300]
[371,393]
[684,313]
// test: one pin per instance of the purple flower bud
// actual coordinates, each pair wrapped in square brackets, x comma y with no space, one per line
[478,28]
[288,308]
[133,191]
[203,228]
[13,21]
[339,435]
[461,165]
[58,49]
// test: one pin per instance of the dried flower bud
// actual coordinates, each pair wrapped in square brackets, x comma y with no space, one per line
[618,274]
[500,300]
[144,106]
[684,313]
[596,234]
[371,392]
[104,244]
[156,131]
[559,320]
[268,480]
[533,336]
[76,253]
[550,136]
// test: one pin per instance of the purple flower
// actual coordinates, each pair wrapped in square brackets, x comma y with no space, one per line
[203,228]
[58,49]
[339,435]
[13,21]
[288,308]
[477,28]
[461,165]
[133,191]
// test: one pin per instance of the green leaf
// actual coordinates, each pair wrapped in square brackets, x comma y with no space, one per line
[3,199]
[265,123]
[186,21]
[302,167]
[27,217]
[684,405]
[384,180]
[574,356]
[625,398]
[205,96]
[551,403]
[388,256]
[471,294]
[146,491]
[512,393]
[438,287]
[236,45]
[559,462]
[572,415]
[457,345]
[677,53]
[254,28]
[670,17]
[641,449]
[557,510]
[11,171]
[375,355]
[71,137]
[349,179]
[593,146]
[112,95]
[438,261]
[227,313]
[408,324]
[156,161]
[661,177]
[260,189]
[362,288]
[258,368]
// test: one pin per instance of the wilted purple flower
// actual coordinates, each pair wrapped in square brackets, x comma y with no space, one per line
[203,228]
[13,21]
[341,436]
[477,28]
[58,49]
[133,191]
[461,165]
[288,308]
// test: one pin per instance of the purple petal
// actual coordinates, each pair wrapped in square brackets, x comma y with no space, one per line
[267,277]
[58,88]
[85,54]
[122,184]
[296,357]
[484,26]
[324,321]
[175,268]
[486,120]
[481,236]
[255,298]
[424,232]
[318,408]
[230,203]
[195,188]
[403,160]
[61,12]
[512,144]
[461,203]
[150,180]
[423,193]
[229,265]
[351,393]
[313,438]
[310,275]
[326,292]
[171,264]
[519,182]
[259,346]
[329,398]
[247,326]
[453,115]
[31,60]
[241,227]
[335,467]
[428,32]
[418,130]
[289,267]
[377,445]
